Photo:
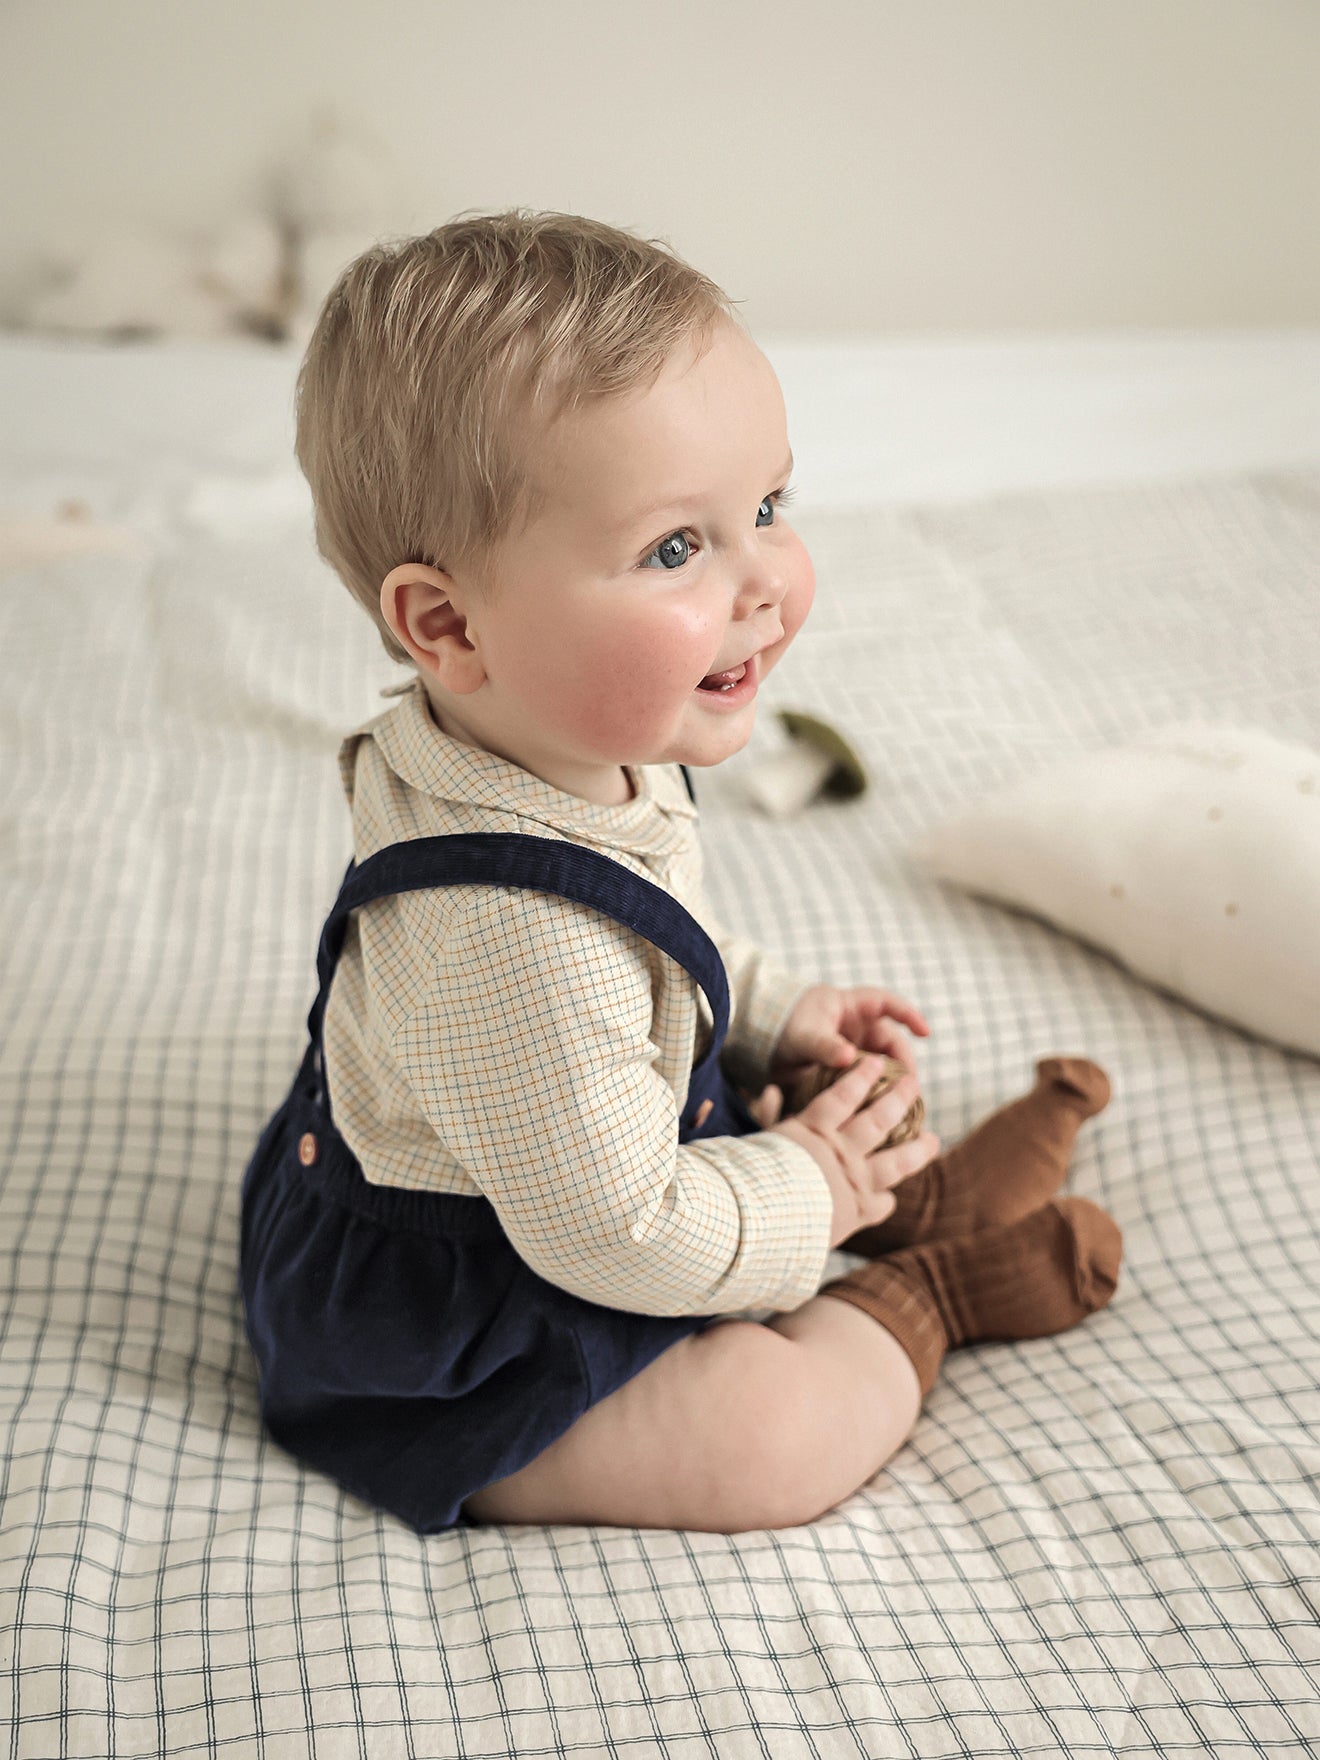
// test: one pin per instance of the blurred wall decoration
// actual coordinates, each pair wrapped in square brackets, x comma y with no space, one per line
[864,165]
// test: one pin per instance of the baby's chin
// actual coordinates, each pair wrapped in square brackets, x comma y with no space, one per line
[715,745]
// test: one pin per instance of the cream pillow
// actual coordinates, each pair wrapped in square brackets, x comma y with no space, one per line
[1192,854]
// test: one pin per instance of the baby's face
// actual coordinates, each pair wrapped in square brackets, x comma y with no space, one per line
[662,558]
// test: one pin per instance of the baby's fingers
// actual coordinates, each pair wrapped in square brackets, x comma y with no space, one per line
[766,1108]
[835,1105]
[873,1207]
[888,1110]
[889,1167]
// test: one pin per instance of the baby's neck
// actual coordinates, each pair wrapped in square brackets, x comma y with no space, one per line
[617,791]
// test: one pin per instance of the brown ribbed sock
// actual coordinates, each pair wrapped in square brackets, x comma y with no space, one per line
[1008,1165]
[1026,1279]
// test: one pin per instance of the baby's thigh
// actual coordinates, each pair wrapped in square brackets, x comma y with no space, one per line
[720,1432]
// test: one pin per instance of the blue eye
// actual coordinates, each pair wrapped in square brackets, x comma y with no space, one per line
[672,552]
[780,498]
[669,558]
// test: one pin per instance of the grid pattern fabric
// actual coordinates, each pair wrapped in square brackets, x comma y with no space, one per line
[504,1041]
[1101,1543]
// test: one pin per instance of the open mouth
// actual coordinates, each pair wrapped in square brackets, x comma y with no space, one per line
[732,689]
[724,681]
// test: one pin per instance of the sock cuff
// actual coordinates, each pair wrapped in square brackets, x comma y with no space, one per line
[903,1306]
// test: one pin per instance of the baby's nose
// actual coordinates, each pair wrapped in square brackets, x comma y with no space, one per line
[760,581]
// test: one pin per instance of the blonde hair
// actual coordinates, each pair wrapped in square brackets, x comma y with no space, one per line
[438,362]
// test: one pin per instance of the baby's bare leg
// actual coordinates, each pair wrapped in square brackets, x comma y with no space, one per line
[750,1426]
[743,1426]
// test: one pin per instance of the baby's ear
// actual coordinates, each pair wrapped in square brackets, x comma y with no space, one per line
[420,605]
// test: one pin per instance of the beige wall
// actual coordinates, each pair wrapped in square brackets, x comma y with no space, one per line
[839,165]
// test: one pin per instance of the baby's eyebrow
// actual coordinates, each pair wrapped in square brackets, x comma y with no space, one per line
[645,514]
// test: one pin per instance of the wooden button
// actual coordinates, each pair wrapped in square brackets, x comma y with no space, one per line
[307,1148]
[703,1113]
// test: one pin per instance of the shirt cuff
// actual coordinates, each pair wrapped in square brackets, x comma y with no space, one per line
[785,1213]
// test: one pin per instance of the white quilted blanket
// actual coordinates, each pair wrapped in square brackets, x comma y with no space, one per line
[1104,1543]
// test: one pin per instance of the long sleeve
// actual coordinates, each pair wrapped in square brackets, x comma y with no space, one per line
[532,1059]
[763,995]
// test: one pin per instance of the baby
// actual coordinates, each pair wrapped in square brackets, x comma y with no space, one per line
[500,1241]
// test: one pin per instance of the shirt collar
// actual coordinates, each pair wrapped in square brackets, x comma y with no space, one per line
[656,821]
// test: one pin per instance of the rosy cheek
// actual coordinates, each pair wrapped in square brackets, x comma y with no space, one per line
[627,679]
[801,593]
[799,578]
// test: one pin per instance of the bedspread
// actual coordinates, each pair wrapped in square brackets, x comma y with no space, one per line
[1100,1543]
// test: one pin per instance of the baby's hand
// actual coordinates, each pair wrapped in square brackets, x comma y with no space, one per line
[842,1134]
[767,1106]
